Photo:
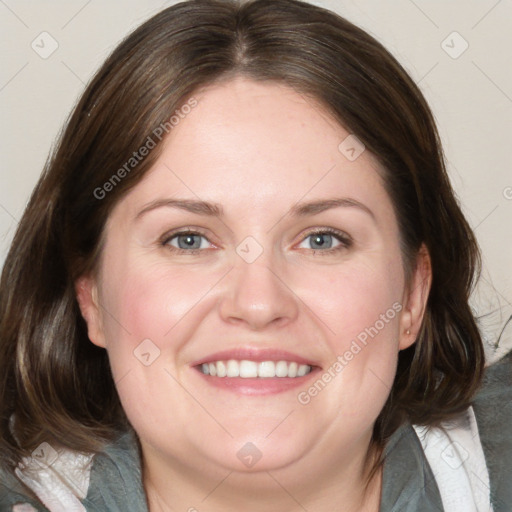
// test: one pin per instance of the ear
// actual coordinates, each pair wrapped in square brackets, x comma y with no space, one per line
[87,296]
[415,299]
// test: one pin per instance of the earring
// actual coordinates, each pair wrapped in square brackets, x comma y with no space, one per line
[408,331]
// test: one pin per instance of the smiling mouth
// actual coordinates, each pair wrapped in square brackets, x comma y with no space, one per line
[244,368]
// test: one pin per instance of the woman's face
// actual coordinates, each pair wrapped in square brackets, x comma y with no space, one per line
[294,267]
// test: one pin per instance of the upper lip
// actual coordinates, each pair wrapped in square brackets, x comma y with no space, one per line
[254,354]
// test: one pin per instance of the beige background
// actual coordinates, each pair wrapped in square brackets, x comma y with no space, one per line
[470,93]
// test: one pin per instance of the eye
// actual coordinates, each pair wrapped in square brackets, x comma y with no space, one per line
[186,241]
[326,240]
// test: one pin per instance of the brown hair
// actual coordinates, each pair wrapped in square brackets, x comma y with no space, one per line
[55,383]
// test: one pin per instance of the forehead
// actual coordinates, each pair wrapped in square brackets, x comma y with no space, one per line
[249,144]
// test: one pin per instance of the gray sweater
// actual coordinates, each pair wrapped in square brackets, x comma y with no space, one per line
[409,480]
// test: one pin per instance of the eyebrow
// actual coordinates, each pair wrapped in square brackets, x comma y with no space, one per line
[315,207]
[210,209]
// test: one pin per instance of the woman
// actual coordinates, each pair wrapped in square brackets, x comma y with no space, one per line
[242,279]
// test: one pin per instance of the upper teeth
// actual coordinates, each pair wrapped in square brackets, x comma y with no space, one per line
[246,369]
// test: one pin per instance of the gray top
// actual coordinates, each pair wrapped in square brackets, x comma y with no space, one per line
[409,484]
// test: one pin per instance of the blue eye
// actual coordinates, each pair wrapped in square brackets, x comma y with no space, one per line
[323,241]
[187,241]
[326,240]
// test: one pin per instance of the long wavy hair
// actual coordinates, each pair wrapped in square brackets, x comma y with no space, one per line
[55,385]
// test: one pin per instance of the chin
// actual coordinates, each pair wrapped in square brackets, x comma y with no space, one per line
[258,451]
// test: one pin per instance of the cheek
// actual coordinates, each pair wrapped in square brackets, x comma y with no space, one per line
[156,301]
[150,311]
[359,306]
[355,298]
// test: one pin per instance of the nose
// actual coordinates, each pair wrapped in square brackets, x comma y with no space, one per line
[258,295]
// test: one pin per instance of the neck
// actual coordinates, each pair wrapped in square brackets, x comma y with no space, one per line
[326,487]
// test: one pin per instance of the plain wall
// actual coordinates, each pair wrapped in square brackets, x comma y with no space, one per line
[469,91]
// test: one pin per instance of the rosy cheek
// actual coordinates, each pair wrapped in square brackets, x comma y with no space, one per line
[157,301]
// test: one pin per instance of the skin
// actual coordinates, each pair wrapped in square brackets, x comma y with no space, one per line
[256,149]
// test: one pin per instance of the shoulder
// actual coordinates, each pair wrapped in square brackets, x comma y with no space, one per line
[116,478]
[15,497]
[493,411]
[72,481]
[408,483]
[470,457]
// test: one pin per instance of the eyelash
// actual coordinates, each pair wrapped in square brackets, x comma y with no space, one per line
[344,239]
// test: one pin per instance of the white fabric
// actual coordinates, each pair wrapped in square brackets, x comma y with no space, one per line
[59,478]
[456,458]
[23,507]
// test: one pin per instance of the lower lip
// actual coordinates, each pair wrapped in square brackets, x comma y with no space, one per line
[258,386]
